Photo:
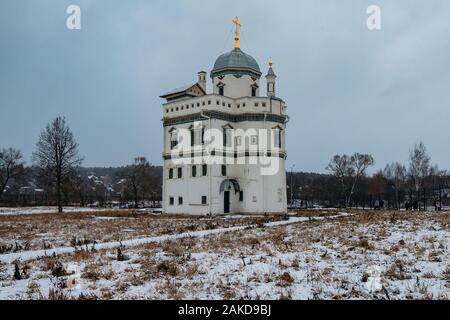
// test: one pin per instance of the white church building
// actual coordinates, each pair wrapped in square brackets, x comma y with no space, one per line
[224,151]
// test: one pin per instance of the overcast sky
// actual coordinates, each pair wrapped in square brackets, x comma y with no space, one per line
[347,88]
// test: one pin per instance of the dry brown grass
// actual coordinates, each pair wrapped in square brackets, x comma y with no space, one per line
[43,231]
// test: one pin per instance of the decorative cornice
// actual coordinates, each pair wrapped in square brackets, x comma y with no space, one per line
[235,154]
[219,115]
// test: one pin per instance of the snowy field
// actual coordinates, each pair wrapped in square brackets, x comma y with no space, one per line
[313,255]
[39,210]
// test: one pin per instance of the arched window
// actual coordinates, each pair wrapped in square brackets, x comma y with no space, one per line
[276,136]
[173,138]
[221,87]
[254,89]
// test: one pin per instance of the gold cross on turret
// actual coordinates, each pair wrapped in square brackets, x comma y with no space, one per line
[236,32]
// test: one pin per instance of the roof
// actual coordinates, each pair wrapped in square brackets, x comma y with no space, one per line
[181,90]
[236,62]
[177,90]
[271,73]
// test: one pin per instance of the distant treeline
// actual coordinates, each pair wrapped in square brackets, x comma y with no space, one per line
[138,184]
[56,177]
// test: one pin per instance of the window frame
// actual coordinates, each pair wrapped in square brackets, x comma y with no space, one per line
[224,170]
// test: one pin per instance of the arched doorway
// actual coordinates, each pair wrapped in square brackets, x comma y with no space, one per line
[226,186]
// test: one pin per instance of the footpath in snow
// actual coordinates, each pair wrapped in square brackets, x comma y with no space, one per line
[31,255]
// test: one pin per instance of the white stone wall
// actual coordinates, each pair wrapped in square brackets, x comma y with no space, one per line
[261,193]
[236,87]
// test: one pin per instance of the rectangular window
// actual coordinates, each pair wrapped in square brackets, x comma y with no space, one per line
[227,137]
[194,170]
[204,199]
[204,170]
[171,173]
[253,92]
[220,91]
[254,140]
[224,170]
[238,141]
[192,131]
[180,201]
[180,173]
[241,196]
[277,138]
[171,201]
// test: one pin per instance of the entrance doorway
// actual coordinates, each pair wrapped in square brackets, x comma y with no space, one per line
[226,202]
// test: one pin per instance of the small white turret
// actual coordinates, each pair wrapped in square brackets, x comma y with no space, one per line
[270,77]
[202,80]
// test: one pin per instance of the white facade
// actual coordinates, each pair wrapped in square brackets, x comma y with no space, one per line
[239,174]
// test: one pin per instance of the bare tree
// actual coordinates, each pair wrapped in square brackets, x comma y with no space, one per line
[57,154]
[397,173]
[348,170]
[11,166]
[419,165]
[139,180]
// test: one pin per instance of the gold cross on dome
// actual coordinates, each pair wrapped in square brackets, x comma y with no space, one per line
[236,32]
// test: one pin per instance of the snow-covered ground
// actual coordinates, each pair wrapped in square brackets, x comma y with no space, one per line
[360,256]
[40,210]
